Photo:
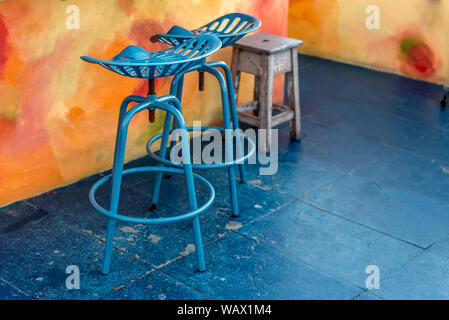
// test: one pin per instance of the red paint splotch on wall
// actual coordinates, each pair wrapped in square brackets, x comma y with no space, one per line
[7,122]
[3,44]
[416,56]
[273,15]
[127,7]
[139,34]
[268,12]
[143,29]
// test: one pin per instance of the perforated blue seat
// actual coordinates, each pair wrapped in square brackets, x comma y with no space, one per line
[136,62]
[228,28]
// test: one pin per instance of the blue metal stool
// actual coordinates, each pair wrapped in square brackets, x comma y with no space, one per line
[229,29]
[136,62]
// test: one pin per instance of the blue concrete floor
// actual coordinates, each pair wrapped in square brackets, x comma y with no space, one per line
[367,185]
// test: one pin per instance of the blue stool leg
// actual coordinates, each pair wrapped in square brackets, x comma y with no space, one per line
[198,244]
[191,190]
[193,206]
[177,85]
[174,89]
[163,149]
[110,229]
[228,137]
[117,168]
[235,120]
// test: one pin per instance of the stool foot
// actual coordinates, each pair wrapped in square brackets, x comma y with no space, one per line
[198,244]
[153,207]
[108,250]
[242,173]
[443,102]
[235,215]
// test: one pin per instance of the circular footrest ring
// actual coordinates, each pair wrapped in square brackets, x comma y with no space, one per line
[128,219]
[251,146]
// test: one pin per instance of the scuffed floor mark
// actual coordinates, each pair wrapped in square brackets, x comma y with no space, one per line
[224,210]
[154,238]
[119,287]
[189,249]
[129,230]
[123,238]
[306,193]
[233,225]
[445,169]
[258,183]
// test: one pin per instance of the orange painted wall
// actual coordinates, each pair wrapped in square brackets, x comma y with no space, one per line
[411,40]
[58,114]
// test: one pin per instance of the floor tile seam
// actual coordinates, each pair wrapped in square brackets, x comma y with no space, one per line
[10,284]
[128,284]
[197,290]
[297,260]
[361,224]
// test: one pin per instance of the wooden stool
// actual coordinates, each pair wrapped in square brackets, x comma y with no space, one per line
[266,56]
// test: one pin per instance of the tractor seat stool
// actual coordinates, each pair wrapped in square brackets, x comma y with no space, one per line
[266,56]
[228,28]
[136,62]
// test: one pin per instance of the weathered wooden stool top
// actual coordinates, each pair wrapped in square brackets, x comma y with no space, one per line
[266,43]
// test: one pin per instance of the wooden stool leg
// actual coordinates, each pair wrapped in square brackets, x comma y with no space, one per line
[293,99]
[256,94]
[266,103]
[235,73]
